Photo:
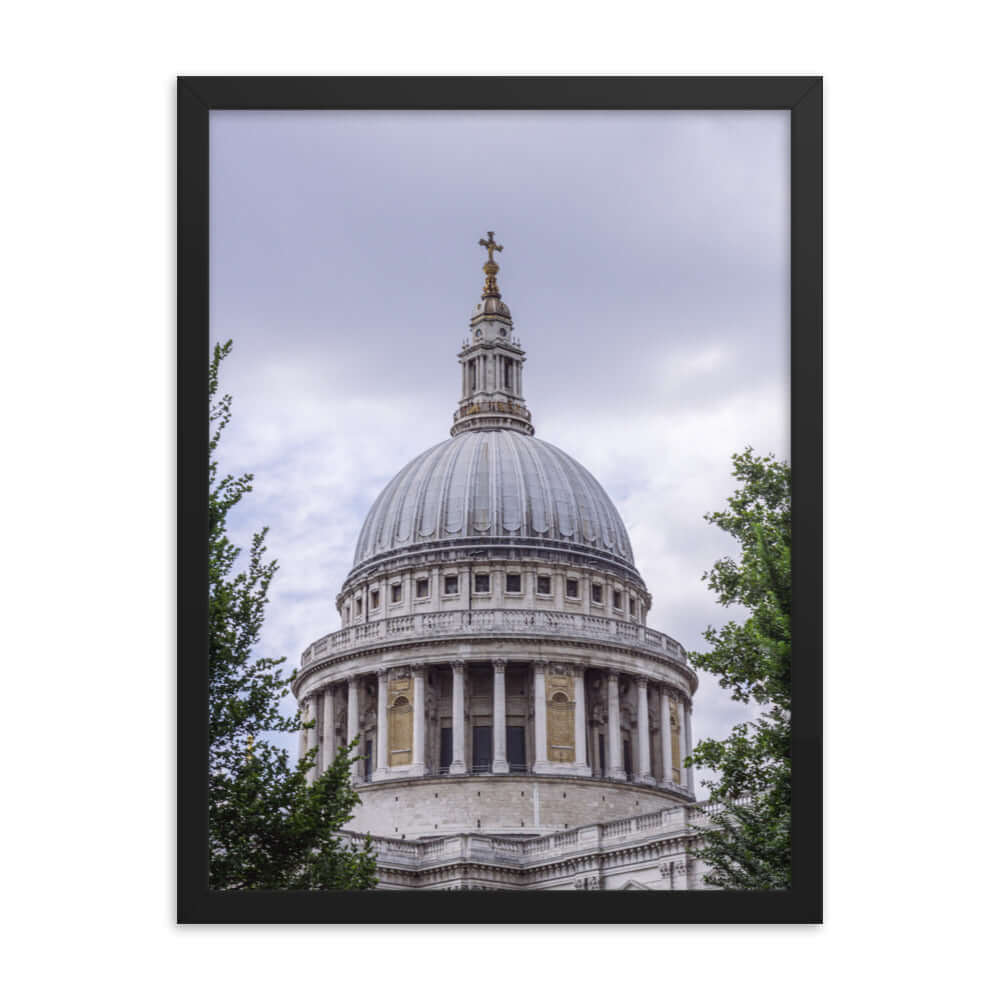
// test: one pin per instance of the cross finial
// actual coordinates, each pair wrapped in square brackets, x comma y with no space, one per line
[491,267]
[490,245]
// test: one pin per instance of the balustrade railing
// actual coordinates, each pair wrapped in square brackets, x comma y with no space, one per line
[493,621]
[516,849]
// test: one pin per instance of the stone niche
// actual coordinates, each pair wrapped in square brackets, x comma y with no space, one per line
[400,721]
[559,707]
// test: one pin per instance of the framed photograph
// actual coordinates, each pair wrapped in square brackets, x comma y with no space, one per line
[499,499]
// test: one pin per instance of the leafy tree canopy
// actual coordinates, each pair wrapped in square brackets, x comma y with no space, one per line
[269,828]
[750,845]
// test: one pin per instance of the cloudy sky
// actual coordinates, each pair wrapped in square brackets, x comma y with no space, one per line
[646,266]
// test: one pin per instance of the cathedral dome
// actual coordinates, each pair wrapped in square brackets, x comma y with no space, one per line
[489,487]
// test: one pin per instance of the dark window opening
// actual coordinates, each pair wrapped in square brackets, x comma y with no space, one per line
[482,749]
[572,588]
[444,761]
[631,606]
[422,588]
[600,754]
[517,754]
[358,606]
[627,753]
[513,583]
[544,585]
[397,593]
[374,599]
[616,599]
[596,593]
[451,584]
[368,760]
[482,583]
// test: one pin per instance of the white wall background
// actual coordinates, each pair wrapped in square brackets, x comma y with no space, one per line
[88,180]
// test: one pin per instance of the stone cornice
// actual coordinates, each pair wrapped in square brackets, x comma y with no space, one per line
[530,656]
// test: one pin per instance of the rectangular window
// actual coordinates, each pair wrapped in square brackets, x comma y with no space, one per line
[513,583]
[373,599]
[482,583]
[444,761]
[572,588]
[596,593]
[397,593]
[482,749]
[451,584]
[358,607]
[616,599]
[631,606]
[517,757]
[544,585]
[422,587]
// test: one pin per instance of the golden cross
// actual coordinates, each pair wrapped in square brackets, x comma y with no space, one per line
[490,245]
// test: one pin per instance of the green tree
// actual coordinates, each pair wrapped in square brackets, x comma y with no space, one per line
[749,846]
[269,828]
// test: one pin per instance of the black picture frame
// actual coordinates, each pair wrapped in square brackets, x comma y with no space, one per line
[196,97]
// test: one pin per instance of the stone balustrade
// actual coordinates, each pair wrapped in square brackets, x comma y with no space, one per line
[520,851]
[493,622]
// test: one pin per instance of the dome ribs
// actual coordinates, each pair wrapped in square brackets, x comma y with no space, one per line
[492,485]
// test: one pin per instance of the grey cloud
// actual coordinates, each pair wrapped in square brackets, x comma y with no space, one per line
[646,265]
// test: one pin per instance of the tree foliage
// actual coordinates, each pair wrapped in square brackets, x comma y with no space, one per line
[269,828]
[749,846]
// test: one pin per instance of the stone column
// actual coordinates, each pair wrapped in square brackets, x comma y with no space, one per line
[541,727]
[382,728]
[354,725]
[688,771]
[500,765]
[313,734]
[580,722]
[457,717]
[615,749]
[645,769]
[329,750]
[419,736]
[667,744]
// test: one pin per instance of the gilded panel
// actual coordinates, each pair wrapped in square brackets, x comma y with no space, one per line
[560,706]
[400,730]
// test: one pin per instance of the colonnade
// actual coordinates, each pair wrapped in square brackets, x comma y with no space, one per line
[547,758]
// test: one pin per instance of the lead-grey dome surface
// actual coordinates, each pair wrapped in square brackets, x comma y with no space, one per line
[489,485]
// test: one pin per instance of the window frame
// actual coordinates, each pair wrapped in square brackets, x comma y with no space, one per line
[448,580]
[476,577]
[520,584]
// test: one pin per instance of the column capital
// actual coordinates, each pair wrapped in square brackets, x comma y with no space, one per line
[499,664]
[383,674]
[458,666]
[352,681]
[641,680]
[538,666]
[417,670]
